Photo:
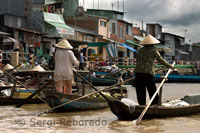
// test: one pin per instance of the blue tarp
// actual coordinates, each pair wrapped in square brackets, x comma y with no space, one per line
[128,47]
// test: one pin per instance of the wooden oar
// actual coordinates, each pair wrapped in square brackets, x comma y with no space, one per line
[99,91]
[146,108]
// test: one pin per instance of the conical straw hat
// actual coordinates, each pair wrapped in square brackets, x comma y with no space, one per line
[8,67]
[64,44]
[149,40]
[1,71]
[2,84]
[38,68]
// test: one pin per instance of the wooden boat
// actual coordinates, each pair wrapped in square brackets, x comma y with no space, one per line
[86,103]
[14,101]
[17,98]
[179,78]
[102,81]
[124,112]
[105,79]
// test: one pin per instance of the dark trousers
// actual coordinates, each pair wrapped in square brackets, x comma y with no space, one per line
[143,81]
[81,66]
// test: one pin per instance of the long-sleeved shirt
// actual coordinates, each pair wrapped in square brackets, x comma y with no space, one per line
[64,61]
[145,60]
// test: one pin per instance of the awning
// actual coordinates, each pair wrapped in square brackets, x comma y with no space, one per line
[112,49]
[133,43]
[10,40]
[57,21]
[161,47]
[48,2]
[97,44]
[181,51]
[62,28]
[128,47]
[4,33]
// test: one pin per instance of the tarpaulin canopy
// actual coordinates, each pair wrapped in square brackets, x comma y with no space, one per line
[133,43]
[48,2]
[128,47]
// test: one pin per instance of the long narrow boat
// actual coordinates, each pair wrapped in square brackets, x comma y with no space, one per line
[125,112]
[179,78]
[86,103]
[102,81]
[14,101]
[18,97]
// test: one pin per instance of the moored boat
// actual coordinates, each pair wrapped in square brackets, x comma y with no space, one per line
[102,81]
[179,78]
[14,101]
[18,96]
[87,103]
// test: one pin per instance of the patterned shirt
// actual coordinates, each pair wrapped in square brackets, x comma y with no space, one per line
[145,60]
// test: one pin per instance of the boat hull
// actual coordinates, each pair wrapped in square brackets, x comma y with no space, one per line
[124,112]
[14,101]
[179,78]
[84,104]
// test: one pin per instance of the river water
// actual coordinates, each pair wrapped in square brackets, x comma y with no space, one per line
[24,119]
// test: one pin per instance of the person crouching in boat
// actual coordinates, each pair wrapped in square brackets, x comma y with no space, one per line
[144,71]
[64,63]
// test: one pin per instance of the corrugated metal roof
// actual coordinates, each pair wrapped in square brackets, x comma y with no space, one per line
[182,52]
[28,30]
[79,29]
[139,38]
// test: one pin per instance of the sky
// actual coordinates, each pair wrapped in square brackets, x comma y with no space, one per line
[179,17]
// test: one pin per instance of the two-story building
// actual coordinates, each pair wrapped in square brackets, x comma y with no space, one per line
[120,31]
[42,16]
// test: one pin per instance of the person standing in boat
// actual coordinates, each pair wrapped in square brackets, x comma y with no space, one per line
[64,63]
[81,66]
[52,57]
[144,71]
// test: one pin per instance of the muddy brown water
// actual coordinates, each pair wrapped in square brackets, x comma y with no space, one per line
[24,119]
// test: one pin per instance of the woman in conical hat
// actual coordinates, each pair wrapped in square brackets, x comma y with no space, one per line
[64,63]
[144,71]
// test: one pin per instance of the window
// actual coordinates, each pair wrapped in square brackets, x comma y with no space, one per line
[100,50]
[121,33]
[128,30]
[113,28]
[103,23]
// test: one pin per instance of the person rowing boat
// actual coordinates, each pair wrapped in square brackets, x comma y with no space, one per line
[144,71]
